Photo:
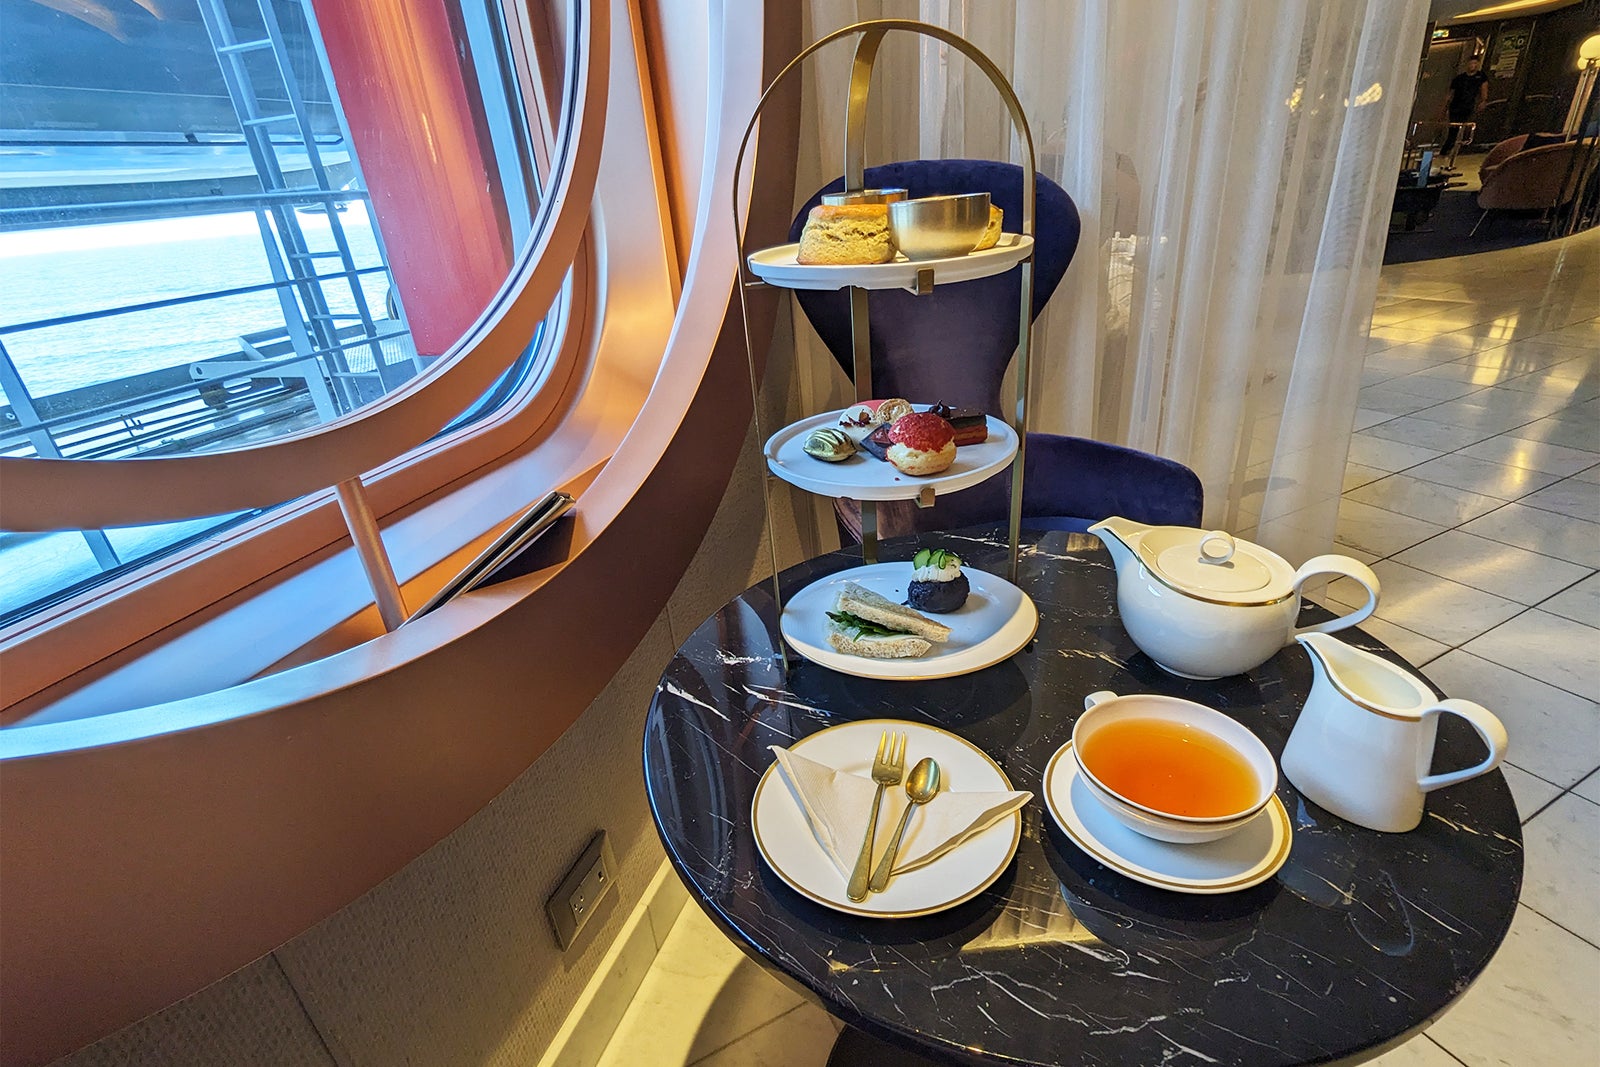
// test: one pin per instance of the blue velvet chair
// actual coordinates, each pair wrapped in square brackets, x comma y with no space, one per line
[955,344]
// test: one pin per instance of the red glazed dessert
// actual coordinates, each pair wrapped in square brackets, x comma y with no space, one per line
[921,443]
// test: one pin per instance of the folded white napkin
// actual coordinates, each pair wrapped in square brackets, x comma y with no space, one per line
[836,805]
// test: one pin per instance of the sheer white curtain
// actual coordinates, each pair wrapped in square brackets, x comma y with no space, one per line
[1234,163]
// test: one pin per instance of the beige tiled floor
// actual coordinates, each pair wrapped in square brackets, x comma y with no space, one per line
[1474,489]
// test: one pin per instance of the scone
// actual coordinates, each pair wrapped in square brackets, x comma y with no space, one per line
[921,444]
[846,233]
[991,232]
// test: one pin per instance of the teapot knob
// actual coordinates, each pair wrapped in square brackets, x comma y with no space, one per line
[1216,547]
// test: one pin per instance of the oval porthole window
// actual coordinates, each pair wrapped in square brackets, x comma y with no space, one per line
[224,222]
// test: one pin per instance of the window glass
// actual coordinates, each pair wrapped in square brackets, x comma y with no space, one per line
[223,221]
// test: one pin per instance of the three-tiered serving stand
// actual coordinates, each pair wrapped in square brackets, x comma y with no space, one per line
[1014,617]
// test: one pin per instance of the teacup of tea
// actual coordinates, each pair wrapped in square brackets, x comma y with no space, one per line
[1172,769]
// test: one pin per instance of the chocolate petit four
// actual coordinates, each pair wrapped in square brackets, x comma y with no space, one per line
[937,584]
[970,424]
[876,443]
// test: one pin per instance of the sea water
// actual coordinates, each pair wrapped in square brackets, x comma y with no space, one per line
[49,273]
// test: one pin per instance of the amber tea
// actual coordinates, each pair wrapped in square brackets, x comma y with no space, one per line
[1170,767]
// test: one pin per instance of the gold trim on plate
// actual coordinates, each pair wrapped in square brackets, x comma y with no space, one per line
[847,908]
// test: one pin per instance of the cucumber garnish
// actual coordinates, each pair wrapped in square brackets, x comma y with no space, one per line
[935,557]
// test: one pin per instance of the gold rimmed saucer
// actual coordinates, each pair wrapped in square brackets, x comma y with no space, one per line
[1241,860]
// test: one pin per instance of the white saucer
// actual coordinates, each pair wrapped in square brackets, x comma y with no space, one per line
[1238,861]
[993,625]
[786,842]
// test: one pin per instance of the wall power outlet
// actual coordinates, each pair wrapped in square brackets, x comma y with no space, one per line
[587,884]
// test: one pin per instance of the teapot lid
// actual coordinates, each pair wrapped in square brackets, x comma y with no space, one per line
[1213,565]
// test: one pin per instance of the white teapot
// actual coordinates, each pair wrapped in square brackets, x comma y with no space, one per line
[1363,745]
[1204,605]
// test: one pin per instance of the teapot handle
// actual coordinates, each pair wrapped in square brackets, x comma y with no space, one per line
[1489,728]
[1345,567]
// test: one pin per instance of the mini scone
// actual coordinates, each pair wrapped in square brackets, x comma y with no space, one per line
[846,234]
[921,443]
[991,232]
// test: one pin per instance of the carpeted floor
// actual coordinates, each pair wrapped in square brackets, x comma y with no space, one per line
[1446,232]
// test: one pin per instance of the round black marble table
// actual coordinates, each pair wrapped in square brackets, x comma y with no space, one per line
[1358,942]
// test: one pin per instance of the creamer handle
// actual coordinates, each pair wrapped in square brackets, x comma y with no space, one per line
[1348,568]
[1489,728]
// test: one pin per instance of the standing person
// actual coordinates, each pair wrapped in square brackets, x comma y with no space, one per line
[1469,91]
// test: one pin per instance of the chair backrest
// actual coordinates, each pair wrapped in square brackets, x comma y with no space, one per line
[1068,483]
[1535,178]
[1072,483]
[955,343]
[1502,152]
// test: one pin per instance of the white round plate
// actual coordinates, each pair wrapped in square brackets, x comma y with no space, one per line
[1235,862]
[778,266]
[786,842]
[993,625]
[862,477]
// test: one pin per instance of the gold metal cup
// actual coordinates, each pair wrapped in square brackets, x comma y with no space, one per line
[934,227]
[866,196]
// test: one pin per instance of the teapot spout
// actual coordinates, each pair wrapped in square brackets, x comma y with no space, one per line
[1119,536]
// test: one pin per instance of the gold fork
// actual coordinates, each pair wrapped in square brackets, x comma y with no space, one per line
[888,767]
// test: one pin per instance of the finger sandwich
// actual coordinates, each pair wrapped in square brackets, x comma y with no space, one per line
[863,623]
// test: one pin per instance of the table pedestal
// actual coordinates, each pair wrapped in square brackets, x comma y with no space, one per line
[857,1048]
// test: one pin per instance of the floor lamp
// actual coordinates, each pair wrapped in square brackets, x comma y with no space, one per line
[1579,117]
[1589,69]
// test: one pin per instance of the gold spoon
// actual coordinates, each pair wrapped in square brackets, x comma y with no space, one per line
[922,785]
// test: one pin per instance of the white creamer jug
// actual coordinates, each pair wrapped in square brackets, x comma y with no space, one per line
[1363,745]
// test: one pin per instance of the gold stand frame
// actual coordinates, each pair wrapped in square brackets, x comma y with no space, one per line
[871,36]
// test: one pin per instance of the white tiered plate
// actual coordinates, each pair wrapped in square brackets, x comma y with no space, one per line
[861,477]
[778,266]
[791,850]
[993,625]
[1240,860]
